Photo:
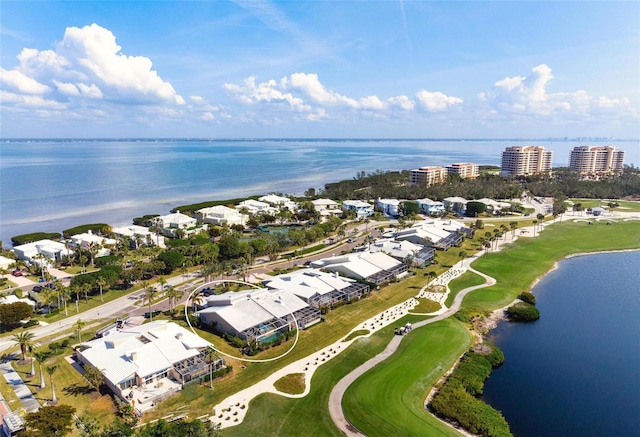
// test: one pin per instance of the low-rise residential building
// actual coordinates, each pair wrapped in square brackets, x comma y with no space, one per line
[258,314]
[139,235]
[279,202]
[87,240]
[389,207]
[326,207]
[5,262]
[33,253]
[455,204]
[318,288]
[220,215]
[465,170]
[361,209]
[403,250]
[370,267]
[493,205]
[10,298]
[431,207]
[441,234]
[171,222]
[428,175]
[256,207]
[144,364]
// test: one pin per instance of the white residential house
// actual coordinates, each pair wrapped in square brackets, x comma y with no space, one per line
[177,220]
[139,234]
[493,205]
[431,207]
[143,364]
[362,209]
[389,207]
[279,202]
[371,267]
[256,207]
[53,250]
[441,234]
[6,262]
[404,249]
[10,298]
[88,239]
[456,204]
[318,288]
[258,314]
[326,207]
[220,214]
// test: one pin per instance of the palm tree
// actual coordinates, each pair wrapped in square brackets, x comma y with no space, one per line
[210,355]
[43,262]
[535,222]
[504,230]
[149,292]
[162,282]
[41,357]
[173,294]
[513,226]
[101,282]
[462,254]
[51,370]
[79,325]
[25,340]
[33,367]
[197,299]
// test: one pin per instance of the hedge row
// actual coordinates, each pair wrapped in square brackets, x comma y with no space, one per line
[96,228]
[35,236]
[196,206]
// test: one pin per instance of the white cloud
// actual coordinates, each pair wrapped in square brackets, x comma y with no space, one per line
[88,63]
[27,100]
[436,101]
[402,102]
[268,92]
[309,85]
[528,95]
[21,82]
[372,102]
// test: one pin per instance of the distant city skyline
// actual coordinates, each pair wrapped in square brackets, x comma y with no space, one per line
[421,69]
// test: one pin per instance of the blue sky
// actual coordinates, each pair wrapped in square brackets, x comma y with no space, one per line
[407,69]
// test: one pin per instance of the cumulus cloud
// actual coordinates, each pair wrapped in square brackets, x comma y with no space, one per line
[528,95]
[88,64]
[436,101]
[22,83]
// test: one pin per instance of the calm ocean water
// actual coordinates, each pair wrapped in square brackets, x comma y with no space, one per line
[53,185]
[576,371]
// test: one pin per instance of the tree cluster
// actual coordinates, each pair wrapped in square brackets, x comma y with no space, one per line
[523,312]
[456,400]
[12,314]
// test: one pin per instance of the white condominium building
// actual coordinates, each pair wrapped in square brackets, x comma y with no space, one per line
[596,159]
[525,160]
[428,175]
[465,170]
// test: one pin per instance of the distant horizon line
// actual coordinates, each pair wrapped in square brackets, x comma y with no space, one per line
[546,139]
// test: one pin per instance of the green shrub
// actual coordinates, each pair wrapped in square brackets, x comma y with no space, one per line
[523,311]
[108,260]
[96,228]
[35,236]
[527,297]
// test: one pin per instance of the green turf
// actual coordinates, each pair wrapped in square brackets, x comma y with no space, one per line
[389,399]
[467,279]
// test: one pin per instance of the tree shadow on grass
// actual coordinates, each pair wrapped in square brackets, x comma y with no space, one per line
[77,389]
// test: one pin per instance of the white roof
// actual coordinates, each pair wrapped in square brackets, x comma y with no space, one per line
[245,309]
[11,298]
[42,246]
[324,202]
[427,201]
[142,350]
[91,238]
[6,262]
[357,203]
[455,199]
[394,202]
[176,218]
[273,198]
[131,230]
[359,264]
[397,249]
[218,209]
[306,283]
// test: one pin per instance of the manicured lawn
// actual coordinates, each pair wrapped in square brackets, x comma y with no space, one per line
[516,268]
[623,204]
[467,279]
[389,399]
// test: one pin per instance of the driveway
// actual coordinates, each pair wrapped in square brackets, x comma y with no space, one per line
[21,281]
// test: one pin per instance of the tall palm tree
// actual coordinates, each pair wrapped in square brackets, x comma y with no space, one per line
[79,325]
[462,254]
[51,370]
[149,292]
[41,357]
[173,294]
[25,340]
[513,226]
[101,283]
[197,299]
[162,282]
[33,367]
[210,355]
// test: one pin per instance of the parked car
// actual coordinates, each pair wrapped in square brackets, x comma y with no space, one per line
[17,273]
[37,288]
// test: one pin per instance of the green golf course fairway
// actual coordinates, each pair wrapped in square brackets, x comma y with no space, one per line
[389,399]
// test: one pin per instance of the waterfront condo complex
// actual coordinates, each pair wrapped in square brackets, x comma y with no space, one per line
[438,174]
[596,160]
[525,160]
